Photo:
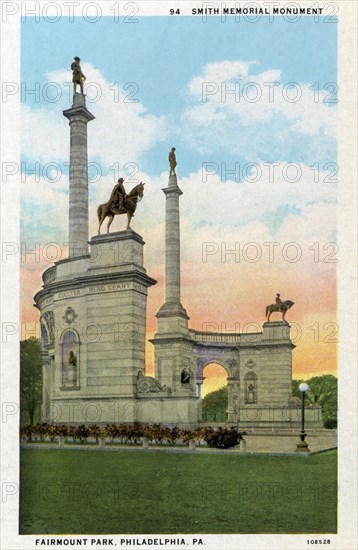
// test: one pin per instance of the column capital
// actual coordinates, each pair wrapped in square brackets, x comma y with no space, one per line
[79,111]
[168,191]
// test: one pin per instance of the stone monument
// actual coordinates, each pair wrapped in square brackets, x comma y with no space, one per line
[93,323]
[93,309]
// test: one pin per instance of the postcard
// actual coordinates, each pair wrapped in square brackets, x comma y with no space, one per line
[178,267]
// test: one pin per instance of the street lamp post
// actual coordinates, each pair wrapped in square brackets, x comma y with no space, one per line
[302,445]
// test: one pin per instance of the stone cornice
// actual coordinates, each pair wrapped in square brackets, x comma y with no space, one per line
[116,236]
[168,339]
[78,112]
[172,191]
[66,260]
[84,281]
[243,346]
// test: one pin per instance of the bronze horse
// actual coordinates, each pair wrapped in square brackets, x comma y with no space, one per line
[130,205]
[283,307]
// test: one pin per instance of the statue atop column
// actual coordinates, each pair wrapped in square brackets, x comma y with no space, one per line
[77,75]
[172,162]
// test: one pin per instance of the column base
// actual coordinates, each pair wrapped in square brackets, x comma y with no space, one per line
[172,309]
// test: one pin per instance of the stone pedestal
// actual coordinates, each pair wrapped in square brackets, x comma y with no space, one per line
[97,308]
[275,332]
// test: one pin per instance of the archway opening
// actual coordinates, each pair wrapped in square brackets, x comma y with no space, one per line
[214,393]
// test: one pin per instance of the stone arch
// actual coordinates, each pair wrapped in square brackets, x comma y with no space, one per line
[214,376]
[203,362]
[211,348]
[216,361]
[228,363]
[70,359]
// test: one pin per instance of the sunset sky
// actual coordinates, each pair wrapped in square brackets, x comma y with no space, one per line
[253,119]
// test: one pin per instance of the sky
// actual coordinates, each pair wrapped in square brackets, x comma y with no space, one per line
[251,110]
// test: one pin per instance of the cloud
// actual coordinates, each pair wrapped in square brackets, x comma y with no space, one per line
[120,133]
[270,208]
[211,210]
[258,116]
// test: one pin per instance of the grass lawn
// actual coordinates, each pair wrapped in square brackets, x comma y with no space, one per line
[92,492]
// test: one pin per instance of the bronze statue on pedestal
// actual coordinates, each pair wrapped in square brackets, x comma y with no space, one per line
[172,162]
[77,75]
[120,203]
[279,306]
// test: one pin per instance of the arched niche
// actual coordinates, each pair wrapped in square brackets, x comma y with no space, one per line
[250,386]
[70,359]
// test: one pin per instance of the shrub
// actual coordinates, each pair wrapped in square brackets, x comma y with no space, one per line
[42,430]
[112,431]
[125,432]
[222,438]
[187,435]
[330,423]
[82,433]
[29,431]
[71,432]
[199,434]
[95,431]
[62,430]
[156,433]
[52,431]
[135,432]
[172,434]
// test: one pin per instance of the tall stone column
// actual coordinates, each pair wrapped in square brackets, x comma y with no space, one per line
[78,117]
[172,306]
[173,344]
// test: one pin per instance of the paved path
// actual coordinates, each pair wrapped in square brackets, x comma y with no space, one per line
[271,443]
[266,443]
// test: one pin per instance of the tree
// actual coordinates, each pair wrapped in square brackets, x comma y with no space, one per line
[323,392]
[295,388]
[215,405]
[30,378]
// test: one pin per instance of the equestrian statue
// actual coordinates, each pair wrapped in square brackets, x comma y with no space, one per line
[278,306]
[120,203]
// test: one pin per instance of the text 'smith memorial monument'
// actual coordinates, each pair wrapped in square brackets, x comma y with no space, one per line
[93,322]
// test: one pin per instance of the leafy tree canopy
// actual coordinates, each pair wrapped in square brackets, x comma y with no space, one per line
[30,378]
[322,391]
[215,405]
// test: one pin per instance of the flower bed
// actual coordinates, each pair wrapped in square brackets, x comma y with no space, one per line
[131,434]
